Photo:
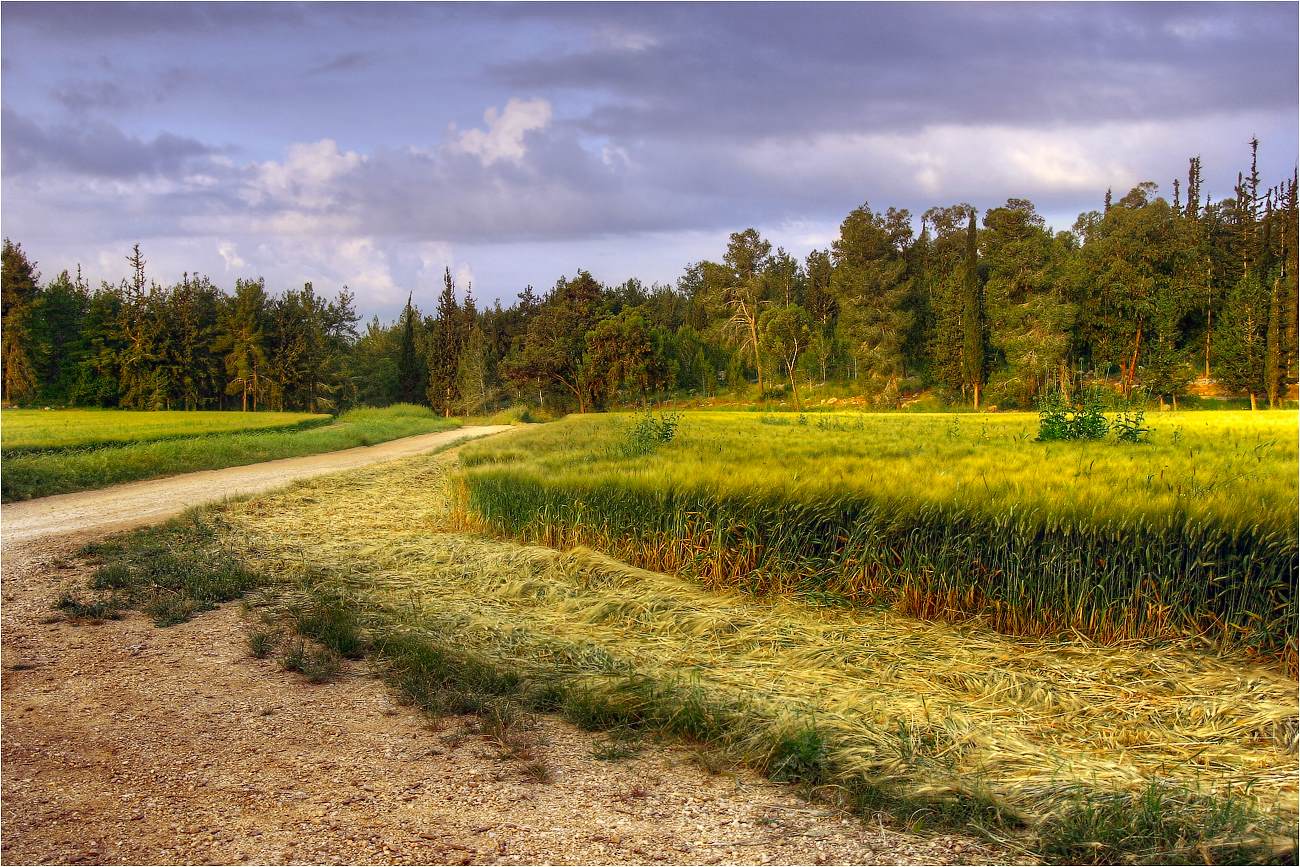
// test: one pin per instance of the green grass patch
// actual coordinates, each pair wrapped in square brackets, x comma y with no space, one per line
[156,571]
[42,473]
[36,430]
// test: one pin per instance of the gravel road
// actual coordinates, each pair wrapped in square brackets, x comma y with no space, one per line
[149,502]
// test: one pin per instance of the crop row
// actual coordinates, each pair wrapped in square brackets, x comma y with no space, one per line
[1020,571]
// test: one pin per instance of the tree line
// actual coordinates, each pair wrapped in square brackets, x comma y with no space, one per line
[1146,292]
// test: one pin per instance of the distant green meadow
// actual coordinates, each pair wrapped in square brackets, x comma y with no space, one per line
[939,515]
[59,451]
[39,430]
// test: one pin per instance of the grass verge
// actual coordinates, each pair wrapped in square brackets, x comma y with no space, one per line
[27,476]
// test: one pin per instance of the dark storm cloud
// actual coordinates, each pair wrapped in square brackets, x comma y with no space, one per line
[762,70]
[92,148]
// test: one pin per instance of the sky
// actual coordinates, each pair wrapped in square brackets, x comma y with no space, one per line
[373,145]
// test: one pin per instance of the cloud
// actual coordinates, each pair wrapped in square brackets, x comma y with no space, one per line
[348,61]
[620,136]
[504,137]
[82,95]
[93,148]
[306,178]
[226,251]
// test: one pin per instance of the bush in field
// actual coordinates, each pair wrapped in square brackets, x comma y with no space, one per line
[1059,419]
[1130,427]
[648,433]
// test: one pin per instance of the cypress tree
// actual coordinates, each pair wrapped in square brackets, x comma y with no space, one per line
[444,351]
[408,368]
[972,319]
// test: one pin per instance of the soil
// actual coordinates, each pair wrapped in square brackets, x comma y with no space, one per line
[126,743]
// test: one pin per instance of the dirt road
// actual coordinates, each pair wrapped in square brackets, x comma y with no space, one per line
[126,743]
[148,502]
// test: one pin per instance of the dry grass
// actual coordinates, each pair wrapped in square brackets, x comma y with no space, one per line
[923,710]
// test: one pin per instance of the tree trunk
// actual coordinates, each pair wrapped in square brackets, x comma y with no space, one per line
[1272,344]
[1253,406]
[977,395]
[1209,325]
[1133,364]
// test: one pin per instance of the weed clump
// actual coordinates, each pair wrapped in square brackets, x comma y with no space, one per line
[169,573]
[261,642]
[317,664]
[1166,825]
[1082,419]
[93,610]
[648,433]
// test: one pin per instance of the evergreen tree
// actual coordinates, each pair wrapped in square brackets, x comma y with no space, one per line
[972,319]
[444,349]
[58,337]
[241,340]
[19,287]
[410,373]
[870,284]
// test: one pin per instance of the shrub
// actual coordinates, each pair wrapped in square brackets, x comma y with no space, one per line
[1060,419]
[648,433]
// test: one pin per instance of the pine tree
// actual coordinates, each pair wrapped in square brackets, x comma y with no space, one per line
[241,339]
[19,286]
[871,283]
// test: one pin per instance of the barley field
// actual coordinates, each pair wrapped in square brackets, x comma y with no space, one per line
[940,516]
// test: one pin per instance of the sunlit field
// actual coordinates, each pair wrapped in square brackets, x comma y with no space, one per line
[36,429]
[947,516]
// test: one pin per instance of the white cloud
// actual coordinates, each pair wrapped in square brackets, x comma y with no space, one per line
[306,178]
[613,155]
[953,160]
[504,137]
[226,251]
[464,276]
